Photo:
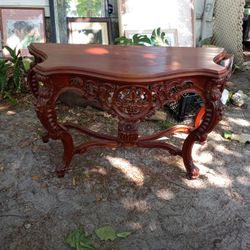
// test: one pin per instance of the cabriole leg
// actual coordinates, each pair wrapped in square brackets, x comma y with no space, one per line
[67,154]
[213,114]
[45,108]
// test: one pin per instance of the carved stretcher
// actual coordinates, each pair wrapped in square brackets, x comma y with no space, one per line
[131,83]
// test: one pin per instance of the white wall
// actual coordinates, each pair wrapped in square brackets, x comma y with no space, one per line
[139,15]
[27,3]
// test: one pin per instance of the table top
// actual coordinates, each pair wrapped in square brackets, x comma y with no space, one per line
[128,63]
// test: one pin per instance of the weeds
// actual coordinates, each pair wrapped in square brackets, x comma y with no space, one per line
[79,240]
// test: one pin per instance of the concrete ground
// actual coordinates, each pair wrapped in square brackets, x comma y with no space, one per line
[143,191]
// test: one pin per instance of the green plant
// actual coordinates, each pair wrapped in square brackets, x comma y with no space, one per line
[86,8]
[165,124]
[4,68]
[13,74]
[206,42]
[79,240]
[137,39]
[157,38]
[109,233]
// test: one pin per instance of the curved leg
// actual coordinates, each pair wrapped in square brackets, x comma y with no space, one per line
[45,108]
[192,170]
[67,154]
[47,117]
[213,114]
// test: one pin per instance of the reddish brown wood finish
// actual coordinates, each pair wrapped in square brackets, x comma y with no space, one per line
[130,82]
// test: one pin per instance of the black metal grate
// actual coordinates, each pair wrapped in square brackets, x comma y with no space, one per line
[186,108]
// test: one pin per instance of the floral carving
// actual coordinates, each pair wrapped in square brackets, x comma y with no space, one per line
[132,102]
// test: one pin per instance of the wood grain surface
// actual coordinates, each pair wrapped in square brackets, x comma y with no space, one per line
[129,63]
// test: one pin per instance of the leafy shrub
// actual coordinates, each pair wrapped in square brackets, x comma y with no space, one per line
[13,74]
[157,38]
[137,39]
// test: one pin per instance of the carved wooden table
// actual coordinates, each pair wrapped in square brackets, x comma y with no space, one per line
[130,82]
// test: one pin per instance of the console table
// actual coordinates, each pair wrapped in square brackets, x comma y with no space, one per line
[131,83]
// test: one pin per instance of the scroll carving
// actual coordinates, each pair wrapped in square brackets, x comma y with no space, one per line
[88,87]
[166,92]
[214,106]
[45,90]
[131,103]
[45,107]
[105,94]
[33,83]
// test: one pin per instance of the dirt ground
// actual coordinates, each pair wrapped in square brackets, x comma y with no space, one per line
[142,191]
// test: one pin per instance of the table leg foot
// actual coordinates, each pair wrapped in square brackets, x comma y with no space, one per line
[192,170]
[60,172]
[45,138]
[193,173]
